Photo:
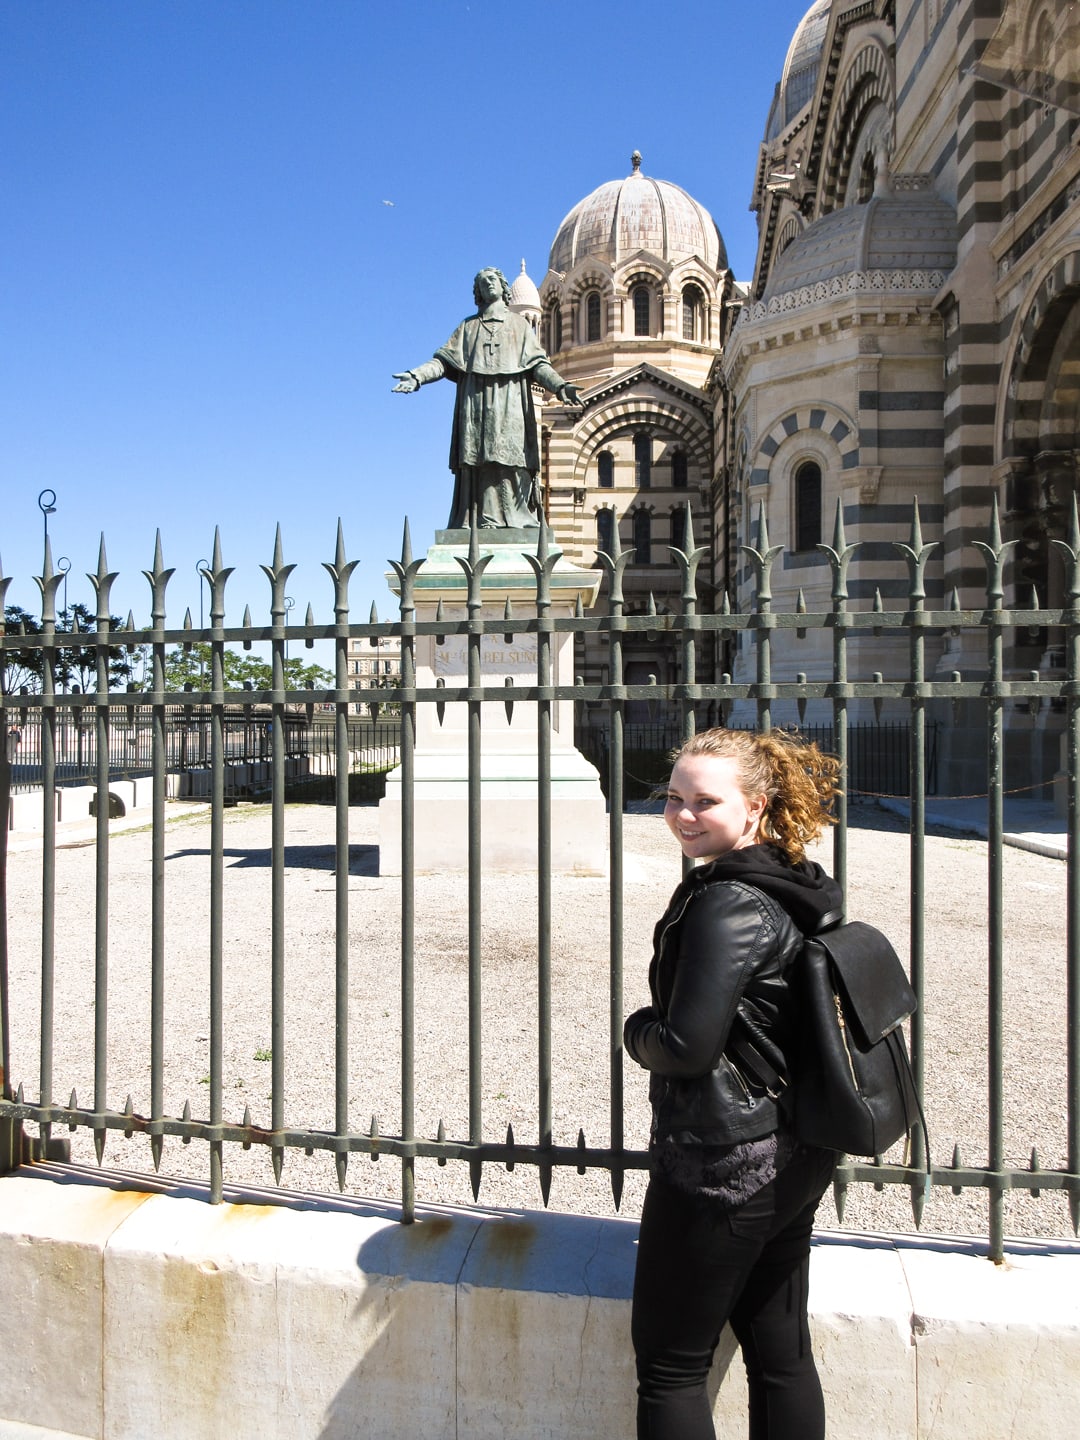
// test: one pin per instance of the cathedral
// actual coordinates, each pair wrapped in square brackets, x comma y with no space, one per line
[911,329]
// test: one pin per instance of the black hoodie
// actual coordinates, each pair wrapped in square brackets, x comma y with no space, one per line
[722,957]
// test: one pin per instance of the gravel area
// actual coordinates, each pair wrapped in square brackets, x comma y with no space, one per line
[1035,1004]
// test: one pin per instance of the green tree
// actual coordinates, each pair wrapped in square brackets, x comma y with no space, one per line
[21,669]
[192,667]
[77,664]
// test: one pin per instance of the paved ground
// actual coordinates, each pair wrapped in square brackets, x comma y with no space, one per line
[1035,1113]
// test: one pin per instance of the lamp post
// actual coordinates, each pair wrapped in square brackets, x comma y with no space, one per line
[47,505]
[64,565]
[201,567]
[289,603]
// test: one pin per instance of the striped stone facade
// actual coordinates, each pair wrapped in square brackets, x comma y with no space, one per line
[953,378]
[911,329]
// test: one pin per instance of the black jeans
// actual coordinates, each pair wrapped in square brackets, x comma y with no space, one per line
[699,1266]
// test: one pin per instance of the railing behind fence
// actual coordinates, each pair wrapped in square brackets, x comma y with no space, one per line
[104,720]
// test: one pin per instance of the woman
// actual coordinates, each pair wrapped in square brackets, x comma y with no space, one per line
[725,1228]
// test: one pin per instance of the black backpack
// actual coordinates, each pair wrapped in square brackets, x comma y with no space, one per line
[851,1087]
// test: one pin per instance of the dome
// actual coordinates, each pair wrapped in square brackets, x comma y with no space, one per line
[523,293]
[796,87]
[637,213]
[910,231]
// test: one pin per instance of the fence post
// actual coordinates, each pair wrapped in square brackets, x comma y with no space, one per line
[10,1129]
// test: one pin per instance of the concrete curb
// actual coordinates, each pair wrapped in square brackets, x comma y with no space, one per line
[133,1314]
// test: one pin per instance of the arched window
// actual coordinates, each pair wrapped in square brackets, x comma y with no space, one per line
[808,505]
[678,528]
[605,532]
[678,470]
[592,316]
[605,470]
[641,299]
[553,328]
[642,537]
[692,312]
[642,461]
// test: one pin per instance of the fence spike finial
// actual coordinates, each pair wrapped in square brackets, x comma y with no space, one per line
[839,543]
[339,547]
[406,546]
[762,528]
[689,530]
[215,554]
[916,526]
[373,616]
[995,524]
[279,556]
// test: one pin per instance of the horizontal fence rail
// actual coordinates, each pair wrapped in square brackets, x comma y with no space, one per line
[218,725]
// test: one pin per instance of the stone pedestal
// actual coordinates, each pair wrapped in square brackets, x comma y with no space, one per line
[509,760]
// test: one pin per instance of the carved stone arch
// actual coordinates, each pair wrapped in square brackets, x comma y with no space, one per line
[867,83]
[631,414]
[837,430]
[641,272]
[592,275]
[1041,391]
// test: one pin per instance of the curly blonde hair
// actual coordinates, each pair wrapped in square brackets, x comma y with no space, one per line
[798,781]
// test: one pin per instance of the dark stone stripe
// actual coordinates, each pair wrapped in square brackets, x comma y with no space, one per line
[883,400]
[770,446]
[913,439]
[759,477]
[790,424]
[840,431]
[817,419]
[850,461]
[959,456]
[983,212]
[972,332]
[977,374]
[975,498]
[969,414]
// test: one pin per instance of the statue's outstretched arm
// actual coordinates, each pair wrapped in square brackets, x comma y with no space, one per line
[410,380]
[545,374]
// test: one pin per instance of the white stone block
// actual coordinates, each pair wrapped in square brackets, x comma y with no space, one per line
[27,812]
[860,1323]
[998,1345]
[544,1329]
[52,1238]
[265,1321]
[75,801]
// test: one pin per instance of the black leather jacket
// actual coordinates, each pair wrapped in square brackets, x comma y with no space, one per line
[722,958]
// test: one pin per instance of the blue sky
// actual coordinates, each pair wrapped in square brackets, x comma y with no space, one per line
[203,289]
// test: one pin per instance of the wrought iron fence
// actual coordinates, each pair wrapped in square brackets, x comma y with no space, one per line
[879,754]
[688,631]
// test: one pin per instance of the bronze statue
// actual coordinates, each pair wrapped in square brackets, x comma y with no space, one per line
[493,357]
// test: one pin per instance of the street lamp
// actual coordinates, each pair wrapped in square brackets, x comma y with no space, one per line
[201,567]
[64,565]
[47,505]
[289,603]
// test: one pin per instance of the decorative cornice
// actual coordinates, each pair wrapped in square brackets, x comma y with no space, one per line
[895,282]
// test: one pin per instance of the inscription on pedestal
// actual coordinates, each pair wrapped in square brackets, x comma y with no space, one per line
[499,661]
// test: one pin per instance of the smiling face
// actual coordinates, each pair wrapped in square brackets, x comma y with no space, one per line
[706,809]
